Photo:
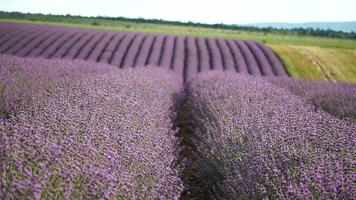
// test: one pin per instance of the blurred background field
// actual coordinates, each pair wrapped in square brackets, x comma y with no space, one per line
[304,56]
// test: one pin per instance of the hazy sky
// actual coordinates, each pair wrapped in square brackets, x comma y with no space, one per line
[206,11]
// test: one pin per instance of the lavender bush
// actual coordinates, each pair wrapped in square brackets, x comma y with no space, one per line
[178,56]
[241,66]
[227,57]
[30,46]
[262,61]
[132,50]
[143,54]
[191,62]
[45,45]
[250,60]
[110,46]
[215,55]
[152,50]
[57,44]
[250,139]
[23,78]
[203,53]
[85,51]
[98,47]
[273,59]
[338,99]
[102,136]
[120,55]
[74,51]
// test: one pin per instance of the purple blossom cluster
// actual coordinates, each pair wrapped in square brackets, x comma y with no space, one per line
[185,55]
[250,139]
[23,78]
[91,136]
[339,99]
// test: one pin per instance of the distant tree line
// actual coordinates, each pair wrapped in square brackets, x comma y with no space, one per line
[106,20]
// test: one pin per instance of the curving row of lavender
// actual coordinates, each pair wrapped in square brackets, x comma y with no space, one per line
[250,139]
[102,135]
[338,99]
[187,56]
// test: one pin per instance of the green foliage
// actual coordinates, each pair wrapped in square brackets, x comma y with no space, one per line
[79,188]
[89,20]
[53,189]
[95,23]
[7,178]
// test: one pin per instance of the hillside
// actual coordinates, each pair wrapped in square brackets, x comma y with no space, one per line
[185,55]
[289,47]
[318,63]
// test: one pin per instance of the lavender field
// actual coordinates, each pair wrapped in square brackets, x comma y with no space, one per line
[186,56]
[94,114]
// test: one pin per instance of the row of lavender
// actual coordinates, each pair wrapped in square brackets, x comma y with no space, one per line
[250,139]
[187,56]
[23,78]
[338,99]
[74,130]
